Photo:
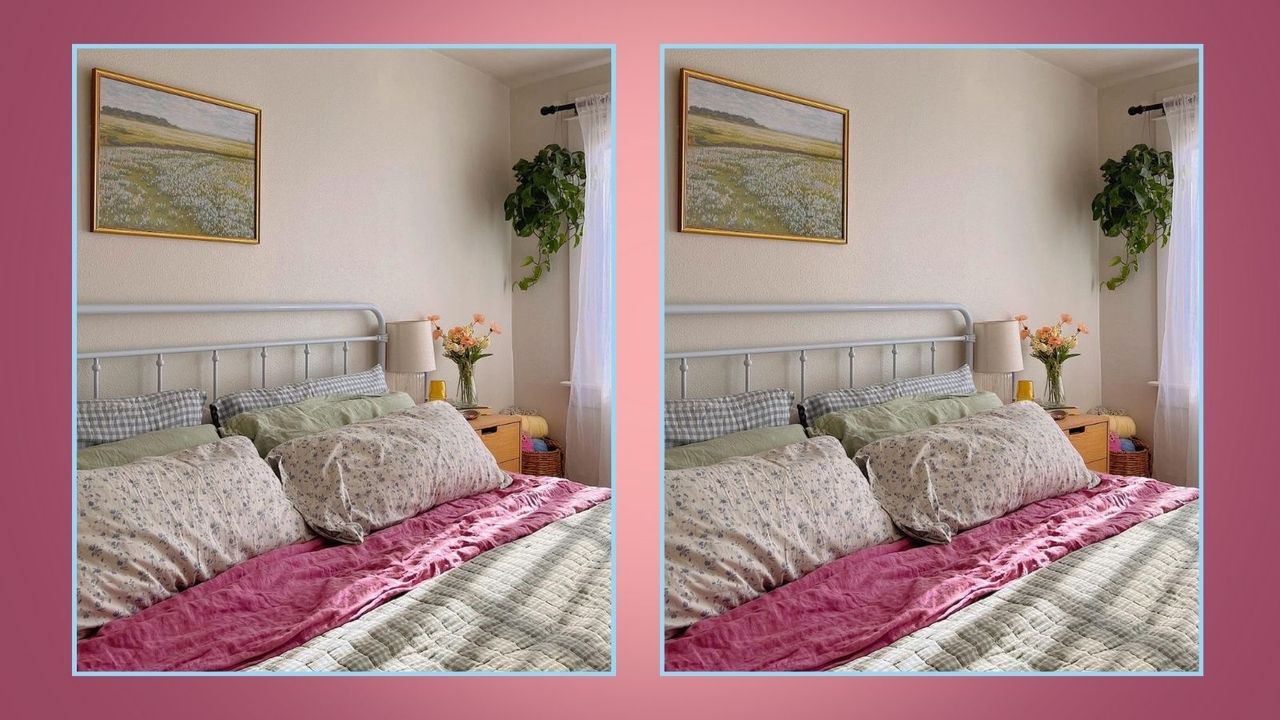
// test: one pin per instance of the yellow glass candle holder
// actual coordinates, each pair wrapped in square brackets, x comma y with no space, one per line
[1026,390]
[436,390]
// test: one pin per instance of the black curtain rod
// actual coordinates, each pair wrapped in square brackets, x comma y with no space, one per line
[1139,109]
[553,109]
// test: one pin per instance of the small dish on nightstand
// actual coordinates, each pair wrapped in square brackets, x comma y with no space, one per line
[1057,414]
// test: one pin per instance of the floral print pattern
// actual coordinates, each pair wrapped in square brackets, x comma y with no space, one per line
[156,526]
[742,527]
[353,480]
[941,480]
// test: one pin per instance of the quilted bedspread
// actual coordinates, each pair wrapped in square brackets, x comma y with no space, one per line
[540,603]
[1128,603]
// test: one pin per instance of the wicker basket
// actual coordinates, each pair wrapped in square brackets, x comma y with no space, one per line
[548,464]
[1136,463]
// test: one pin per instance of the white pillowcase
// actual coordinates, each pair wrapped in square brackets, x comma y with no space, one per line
[350,481]
[940,480]
[742,527]
[156,526]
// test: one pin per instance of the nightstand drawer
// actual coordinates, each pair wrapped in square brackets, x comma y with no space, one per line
[1090,441]
[501,435]
[1088,435]
[510,465]
[503,441]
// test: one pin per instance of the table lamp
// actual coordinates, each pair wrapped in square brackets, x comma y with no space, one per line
[998,349]
[410,348]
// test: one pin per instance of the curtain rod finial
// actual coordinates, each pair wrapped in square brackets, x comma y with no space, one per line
[553,109]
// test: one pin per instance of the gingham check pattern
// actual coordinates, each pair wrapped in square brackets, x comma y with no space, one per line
[542,602]
[1130,602]
[819,404]
[956,382]
[109,419]
[370,382]
[690,421]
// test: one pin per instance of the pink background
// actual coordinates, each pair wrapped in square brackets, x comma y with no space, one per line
[1241,259]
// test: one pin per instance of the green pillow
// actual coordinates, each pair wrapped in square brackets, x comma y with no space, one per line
[271,426]
[747,442]
[857,427]
[152,444]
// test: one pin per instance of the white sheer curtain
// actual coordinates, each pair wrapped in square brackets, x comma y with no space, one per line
[588,450]
[1177,431]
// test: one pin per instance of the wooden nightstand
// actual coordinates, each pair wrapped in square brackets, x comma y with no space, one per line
[501,434]
[1088,435]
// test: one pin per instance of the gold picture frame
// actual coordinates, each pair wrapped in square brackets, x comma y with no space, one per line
[166,146]
[735,146]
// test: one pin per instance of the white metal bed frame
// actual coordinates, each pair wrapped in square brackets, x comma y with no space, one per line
[966,337]
[380,337]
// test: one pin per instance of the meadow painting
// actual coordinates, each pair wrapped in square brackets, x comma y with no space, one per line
[761,163]
[171,163]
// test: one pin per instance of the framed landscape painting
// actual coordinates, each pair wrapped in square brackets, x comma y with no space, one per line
[761,163]
[173,163]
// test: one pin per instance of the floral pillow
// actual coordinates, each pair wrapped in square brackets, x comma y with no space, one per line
[941,480]
[742,527]
[350,481]
[156,526]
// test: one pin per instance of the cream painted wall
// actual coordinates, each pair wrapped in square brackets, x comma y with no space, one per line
[383,175]
[540,315]
[971,174]
[1129,338]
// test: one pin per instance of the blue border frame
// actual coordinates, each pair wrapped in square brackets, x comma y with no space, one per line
[662,341]
[75,229]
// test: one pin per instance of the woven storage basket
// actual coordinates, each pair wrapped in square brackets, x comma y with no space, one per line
[549,463]
[1136,463]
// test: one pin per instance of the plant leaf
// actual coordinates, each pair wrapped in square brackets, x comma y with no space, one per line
[548,203]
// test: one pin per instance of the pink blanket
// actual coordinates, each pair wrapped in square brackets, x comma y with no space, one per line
[279,600]
[868,599]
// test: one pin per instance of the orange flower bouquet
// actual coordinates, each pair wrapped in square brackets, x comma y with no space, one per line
[465,345]
[1052,345]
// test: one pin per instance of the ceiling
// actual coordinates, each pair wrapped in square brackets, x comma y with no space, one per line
[1104,67]
[515,67]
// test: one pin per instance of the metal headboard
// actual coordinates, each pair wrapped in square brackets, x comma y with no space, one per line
[850,345]
[160,352]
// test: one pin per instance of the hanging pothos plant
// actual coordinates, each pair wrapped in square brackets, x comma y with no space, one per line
[1136,204]
[548,204]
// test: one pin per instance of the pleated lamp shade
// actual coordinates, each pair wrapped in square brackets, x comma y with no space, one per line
[410,348]
[997,347]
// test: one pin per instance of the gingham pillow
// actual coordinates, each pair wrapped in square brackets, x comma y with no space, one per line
[370,382]
[956,382]
[690,421]
[107,420]
[819,404]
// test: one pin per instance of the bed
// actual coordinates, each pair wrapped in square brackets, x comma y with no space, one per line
[1097,576]
[510,576]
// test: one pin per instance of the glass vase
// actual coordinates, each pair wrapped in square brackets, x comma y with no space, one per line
[466,397]
[1054,396]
